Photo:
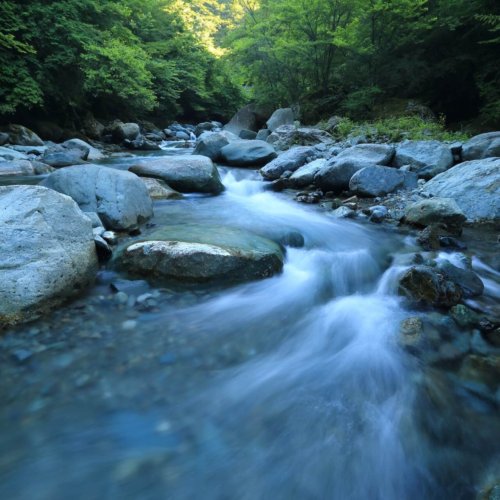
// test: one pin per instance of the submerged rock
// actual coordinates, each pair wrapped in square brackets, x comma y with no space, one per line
[120,198]
[202,254]
[183,173]
[474,185]
[47,251]
[424,284]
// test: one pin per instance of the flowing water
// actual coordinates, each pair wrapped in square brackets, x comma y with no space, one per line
[293,387]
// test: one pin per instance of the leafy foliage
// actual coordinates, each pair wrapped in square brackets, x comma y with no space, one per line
[118,58]
[345,56]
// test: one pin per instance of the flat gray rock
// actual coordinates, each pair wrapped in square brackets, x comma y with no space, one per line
[378,154]
[304,176]
[47,251]
[482,146]
[243,153]
[290,160]
[425,158]
[184,173]
[474,185]
[378,181]
[120,198]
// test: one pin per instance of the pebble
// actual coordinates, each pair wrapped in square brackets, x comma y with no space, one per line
[129,324]
[22,355]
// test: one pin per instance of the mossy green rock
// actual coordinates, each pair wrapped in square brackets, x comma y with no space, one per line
[192,253]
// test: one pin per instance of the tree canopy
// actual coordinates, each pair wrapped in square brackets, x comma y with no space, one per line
[197,58]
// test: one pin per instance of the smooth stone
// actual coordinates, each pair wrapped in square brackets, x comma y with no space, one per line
[120,198]
[282,116]
[198,254]
[160,190]
[247,153]
[304,176]
[482,146]
[378,154]
[184,173]
[47,251]
[290,160]
[376,180]
[93,153]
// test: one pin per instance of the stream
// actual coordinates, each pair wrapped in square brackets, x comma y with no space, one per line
[293,387]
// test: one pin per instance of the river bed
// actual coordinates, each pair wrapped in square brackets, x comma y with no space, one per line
[293,387]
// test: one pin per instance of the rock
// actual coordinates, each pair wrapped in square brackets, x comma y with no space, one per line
[185,173]
[182,135]
[463,316]
[304,176]
[94,218]
[411,334]
[336,174]
[200,254]
[344,213]
[141,144]
[93,154]
[210,144]
[119,198]
[426,158]
[467,280]
[47,251]
[203,127]
[159,190]
[23,167]
[424,284]
[283,116]
[12,154]
[263,134]
[247,134]
[377,213]
[291,160]
[482,146]
[376,180]
[429,238]
[436,211]
[248,117]
[92,128]
[104,252]
[286,136]
[4,138]
[247,153]
[22,136]
[59,159]
[474,185]
[309,198]
[485,369]
[121,131]
[378,154]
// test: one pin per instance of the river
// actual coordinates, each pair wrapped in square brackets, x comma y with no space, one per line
[294,387]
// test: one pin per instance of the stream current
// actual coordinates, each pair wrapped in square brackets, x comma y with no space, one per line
[293,387]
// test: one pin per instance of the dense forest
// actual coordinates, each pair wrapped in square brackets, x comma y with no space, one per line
[166,59]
